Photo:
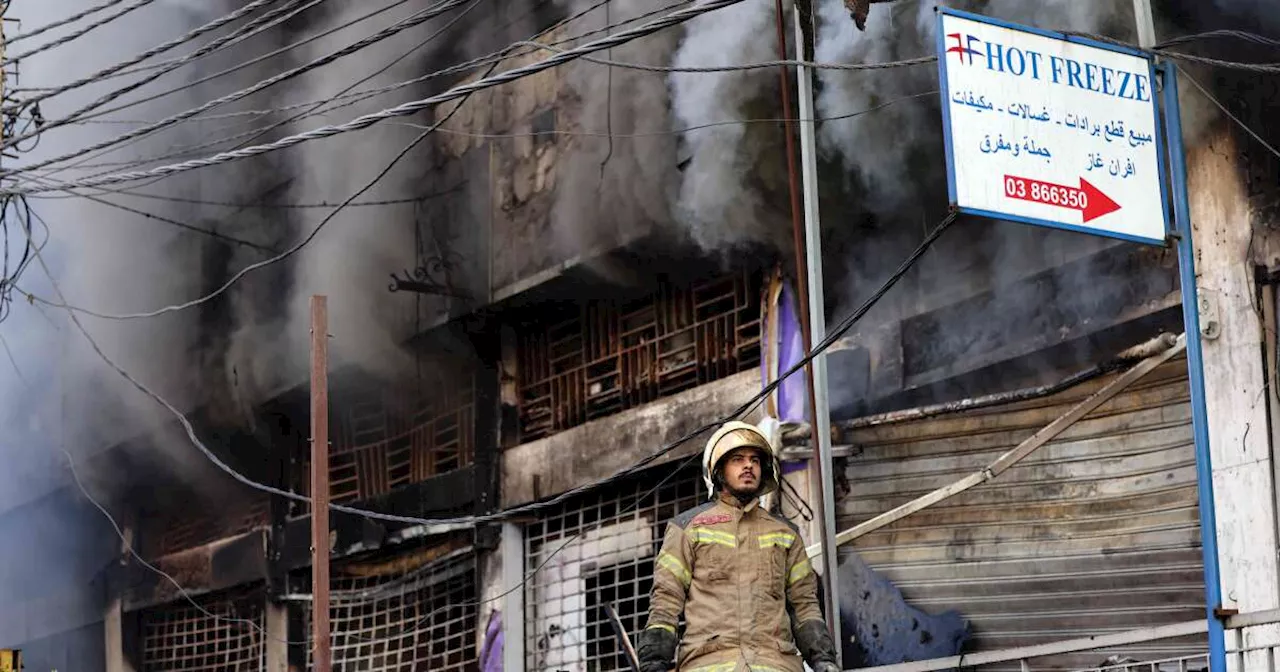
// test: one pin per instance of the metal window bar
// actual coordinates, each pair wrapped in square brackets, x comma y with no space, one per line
[607,357]
[180,638]
[423,619]
[611,563]
[384,439]
[191,528]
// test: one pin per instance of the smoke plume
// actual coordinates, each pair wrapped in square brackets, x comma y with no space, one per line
[725,195]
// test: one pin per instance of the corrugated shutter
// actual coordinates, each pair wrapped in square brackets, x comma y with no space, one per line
[225,632]
[414,618]
[1095,532]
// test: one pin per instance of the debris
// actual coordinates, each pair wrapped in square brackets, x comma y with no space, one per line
[859,9]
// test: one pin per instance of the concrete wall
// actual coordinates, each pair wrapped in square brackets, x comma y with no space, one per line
[602,447]
[517,219]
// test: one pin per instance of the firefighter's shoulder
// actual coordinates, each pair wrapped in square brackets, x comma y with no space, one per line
[773,517]
[698,514]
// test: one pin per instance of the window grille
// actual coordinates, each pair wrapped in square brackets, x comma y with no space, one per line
[384,438]
[422,619]
[607,356]
[177,637]
[190,528]
[610,564]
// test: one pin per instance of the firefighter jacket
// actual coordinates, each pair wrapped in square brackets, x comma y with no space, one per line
[743,581]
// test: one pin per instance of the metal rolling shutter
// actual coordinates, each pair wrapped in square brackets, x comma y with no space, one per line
[1096,532]
[415,618]
[225,632]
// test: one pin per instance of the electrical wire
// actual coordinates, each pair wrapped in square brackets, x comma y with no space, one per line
[256,133]
[1265,68]
[415,106]
[493,57]
[358,96]
[180,224]
[469,65]
[159,49]
[70,19]
[11,273]
[634,66]
[252,62]
[353,98]
[527,577]
[674,131]
[128,547]
[21,378]
[457,92]
[182,151]
[438,525]
[254,27]
[1232,117]
[284,206]
[405,109]
[120,371]
[826,342]
[186,424]
[295,248]
[1215,34]
[922,60]
[404,24]
[424,42]
[75,35]
[127,543]
[845,324]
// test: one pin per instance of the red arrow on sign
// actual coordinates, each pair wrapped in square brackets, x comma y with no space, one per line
[1087,198]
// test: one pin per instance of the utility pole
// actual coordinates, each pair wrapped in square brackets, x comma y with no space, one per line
[320,481]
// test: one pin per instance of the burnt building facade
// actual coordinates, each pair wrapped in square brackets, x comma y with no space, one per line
[590,278]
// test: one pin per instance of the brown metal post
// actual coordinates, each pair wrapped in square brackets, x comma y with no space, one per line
[802,291]
[320,481]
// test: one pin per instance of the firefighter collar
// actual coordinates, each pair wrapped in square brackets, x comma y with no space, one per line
[730,500]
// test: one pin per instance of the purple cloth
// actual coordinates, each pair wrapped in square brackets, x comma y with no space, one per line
[790,466]
[491,650]
[793,399]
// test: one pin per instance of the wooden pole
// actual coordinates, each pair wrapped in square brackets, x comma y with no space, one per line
[320,481]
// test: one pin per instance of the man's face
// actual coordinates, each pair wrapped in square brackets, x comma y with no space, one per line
[742,472]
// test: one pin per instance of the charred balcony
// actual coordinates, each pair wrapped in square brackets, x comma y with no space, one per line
[584,360]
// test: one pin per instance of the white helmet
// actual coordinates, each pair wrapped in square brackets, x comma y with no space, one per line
[736,435]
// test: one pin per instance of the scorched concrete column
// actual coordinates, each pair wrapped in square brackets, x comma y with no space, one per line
[1235,383]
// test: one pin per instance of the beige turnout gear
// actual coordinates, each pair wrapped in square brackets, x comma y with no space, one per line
[738,574]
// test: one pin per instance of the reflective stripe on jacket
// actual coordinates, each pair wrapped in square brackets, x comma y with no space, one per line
[732,571]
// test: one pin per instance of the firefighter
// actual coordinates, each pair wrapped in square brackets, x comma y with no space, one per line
[738,574]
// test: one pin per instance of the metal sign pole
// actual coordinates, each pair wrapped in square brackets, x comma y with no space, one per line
[1195,367]
[820,432]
